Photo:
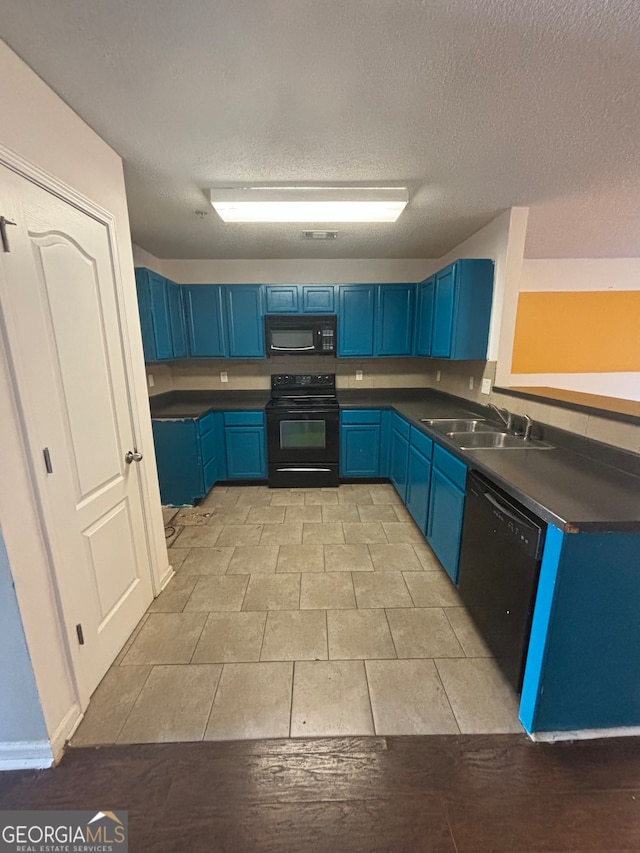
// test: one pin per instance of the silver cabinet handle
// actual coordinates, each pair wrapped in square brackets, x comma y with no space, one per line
[132,456]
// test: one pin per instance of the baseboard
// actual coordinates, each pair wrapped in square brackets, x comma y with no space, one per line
[65,730]
[164,580]
[26,755]
[585,734]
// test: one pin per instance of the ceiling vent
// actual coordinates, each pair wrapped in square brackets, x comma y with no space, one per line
[319,235]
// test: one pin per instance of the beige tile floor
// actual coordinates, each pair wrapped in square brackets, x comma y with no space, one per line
[300,613]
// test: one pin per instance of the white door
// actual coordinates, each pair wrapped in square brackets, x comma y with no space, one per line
[62,315]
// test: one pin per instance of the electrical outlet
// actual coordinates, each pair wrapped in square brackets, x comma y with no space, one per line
[150,380]
[486,386]
[359,375]
[224,376]
[471,383]
[438,375]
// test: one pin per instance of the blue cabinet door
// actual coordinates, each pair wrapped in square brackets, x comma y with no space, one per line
[245,320]
[318,299]
[144,309]
[444,526]
[355,320]
[176,320]
[418,483]
[443,309]
[282,299]
[179,462]
[246,454]
[205,329]
[211,449]
[360,450]
[394,326]
[472,314]
[399,455]
[153,306]
[423,329]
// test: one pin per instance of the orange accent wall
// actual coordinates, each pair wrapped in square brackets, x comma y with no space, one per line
[577,332]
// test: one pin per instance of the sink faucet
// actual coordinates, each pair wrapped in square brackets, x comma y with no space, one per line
[504,414]
[528,427]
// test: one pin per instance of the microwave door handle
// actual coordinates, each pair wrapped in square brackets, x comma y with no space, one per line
[290,349]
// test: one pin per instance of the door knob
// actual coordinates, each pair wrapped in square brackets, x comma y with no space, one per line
[132,456]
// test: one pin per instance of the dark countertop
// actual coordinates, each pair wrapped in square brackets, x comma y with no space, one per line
[565,488]
[176,405]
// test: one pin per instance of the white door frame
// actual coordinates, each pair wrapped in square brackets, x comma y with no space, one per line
[146,474]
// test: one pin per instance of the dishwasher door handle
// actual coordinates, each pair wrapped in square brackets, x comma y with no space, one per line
[506,510]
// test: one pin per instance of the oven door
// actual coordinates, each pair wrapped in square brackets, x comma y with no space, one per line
[303,447]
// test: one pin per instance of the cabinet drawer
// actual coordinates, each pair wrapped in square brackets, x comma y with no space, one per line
[400,425]
[208,446]
[360,416]
[421,442]
[205,423]
[451,467]
[243,418]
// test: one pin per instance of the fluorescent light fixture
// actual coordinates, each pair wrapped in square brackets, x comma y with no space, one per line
[309,204]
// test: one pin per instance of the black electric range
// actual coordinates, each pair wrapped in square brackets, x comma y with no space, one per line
[303,430]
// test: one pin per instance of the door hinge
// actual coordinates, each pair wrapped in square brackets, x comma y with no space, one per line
[47,460]
[80,634]
[3,232]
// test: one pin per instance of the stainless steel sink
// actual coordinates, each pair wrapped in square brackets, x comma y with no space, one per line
[495,441]
[465,425]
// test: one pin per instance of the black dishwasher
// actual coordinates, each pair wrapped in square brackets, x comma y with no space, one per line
[500,558]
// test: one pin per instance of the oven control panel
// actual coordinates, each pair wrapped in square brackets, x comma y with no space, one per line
[303,380]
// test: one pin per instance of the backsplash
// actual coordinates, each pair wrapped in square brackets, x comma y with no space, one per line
[251,375]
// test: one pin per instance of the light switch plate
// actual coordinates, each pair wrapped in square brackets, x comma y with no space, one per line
[359,375]
[471,383]
[438,375]
[224,376]
[150,380]
[486,386]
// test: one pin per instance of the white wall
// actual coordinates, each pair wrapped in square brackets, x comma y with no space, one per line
[299,271]
[579,274]
[39,127]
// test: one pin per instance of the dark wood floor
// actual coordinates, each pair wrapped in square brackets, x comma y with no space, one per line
[455,794]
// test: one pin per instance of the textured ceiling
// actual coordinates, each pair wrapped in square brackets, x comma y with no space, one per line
[475,105]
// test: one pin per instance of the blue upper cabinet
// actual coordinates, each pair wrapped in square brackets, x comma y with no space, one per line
[394,326]
[423,329]
[282,299]
[318,299]
[462,310]
[244,320]
[177,320]
[443,308]
[205,327]
[355,320]
[153,305]
[299,298]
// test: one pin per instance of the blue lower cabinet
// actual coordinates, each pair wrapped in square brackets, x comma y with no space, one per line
[189,457]
[360,443]
[446,509]
[399,454]
[245,442]
[418,483]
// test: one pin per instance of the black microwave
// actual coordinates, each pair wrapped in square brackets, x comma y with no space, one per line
[300,334]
